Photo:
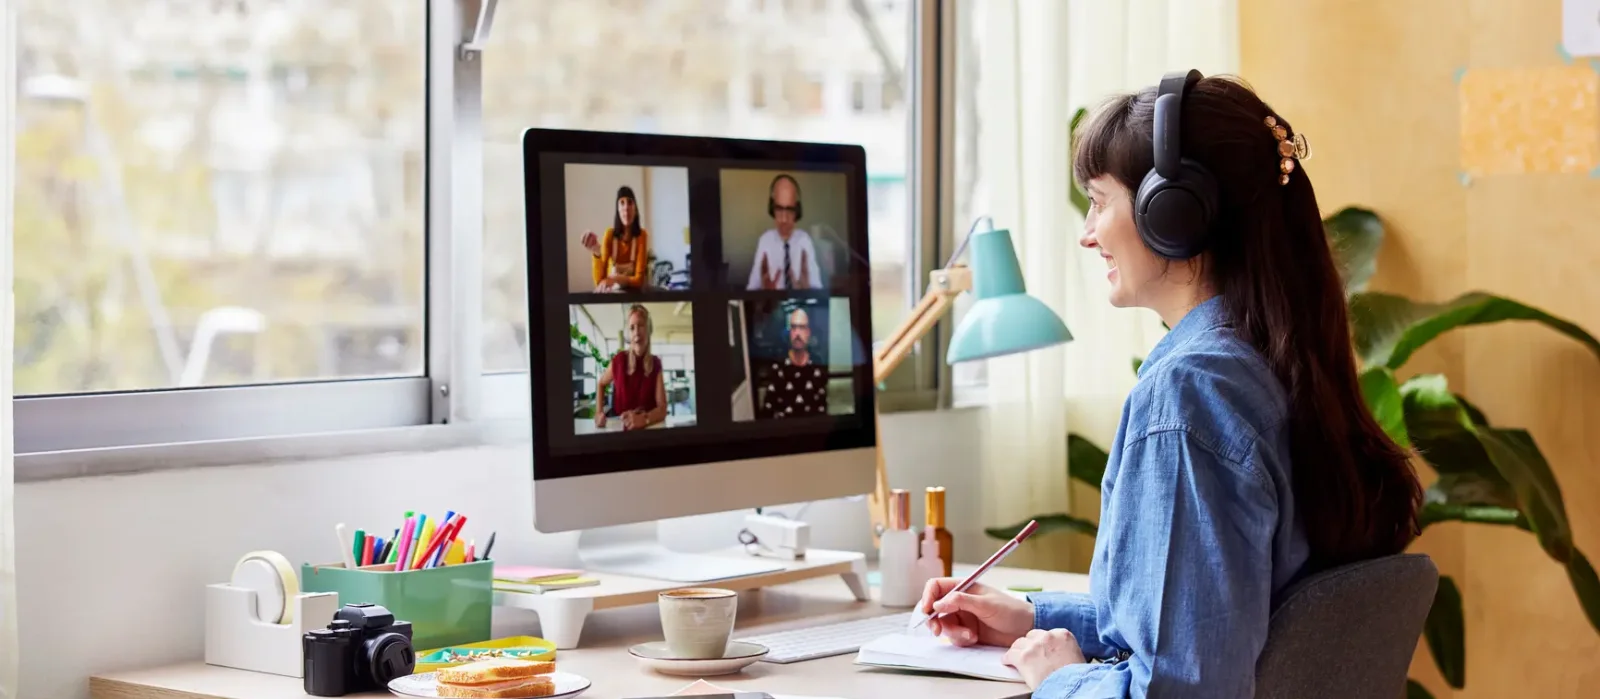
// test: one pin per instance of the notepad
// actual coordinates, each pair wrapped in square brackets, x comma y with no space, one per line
[935,654]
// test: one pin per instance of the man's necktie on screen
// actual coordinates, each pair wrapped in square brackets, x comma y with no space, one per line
[785,265]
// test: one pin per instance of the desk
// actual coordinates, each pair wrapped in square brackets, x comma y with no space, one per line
[583,426]
[604,656]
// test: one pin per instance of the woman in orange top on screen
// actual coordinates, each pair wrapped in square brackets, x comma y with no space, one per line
[639,395]
[622,257]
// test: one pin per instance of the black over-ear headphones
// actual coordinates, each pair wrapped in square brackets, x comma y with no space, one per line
[772,206]
[1176,206]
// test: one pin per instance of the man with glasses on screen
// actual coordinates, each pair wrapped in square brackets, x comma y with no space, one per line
[785,257]
[796,384]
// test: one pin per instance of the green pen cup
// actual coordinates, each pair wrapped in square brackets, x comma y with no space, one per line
[447,606]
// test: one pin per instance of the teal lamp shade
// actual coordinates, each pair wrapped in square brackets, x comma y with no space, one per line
[1004,319]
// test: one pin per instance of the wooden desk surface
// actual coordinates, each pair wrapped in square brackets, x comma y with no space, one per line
[603,656]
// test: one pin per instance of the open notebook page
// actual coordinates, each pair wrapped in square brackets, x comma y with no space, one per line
[932,653]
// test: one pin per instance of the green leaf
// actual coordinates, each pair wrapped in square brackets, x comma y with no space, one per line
[1354,236]
[1433,513]
[1388,329]
[1518,459]
[1416,691]
[1445,631]
[1047,524]
[1086,462]
[1441,429]
[1382,395]
[1074,191]
[1137,362]
[1587,585]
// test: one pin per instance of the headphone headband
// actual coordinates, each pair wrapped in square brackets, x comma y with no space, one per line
[1169,107]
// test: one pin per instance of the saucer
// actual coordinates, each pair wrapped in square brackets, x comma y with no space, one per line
[423,684]
[739,656]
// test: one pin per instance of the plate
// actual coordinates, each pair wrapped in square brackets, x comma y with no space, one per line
[739,656]
[423,684]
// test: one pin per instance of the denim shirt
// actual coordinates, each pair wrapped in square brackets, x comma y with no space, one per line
[1198,533]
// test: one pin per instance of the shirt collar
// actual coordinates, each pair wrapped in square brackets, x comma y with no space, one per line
[1206,316]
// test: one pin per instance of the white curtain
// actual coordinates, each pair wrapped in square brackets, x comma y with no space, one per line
[9,649]
[1041,60]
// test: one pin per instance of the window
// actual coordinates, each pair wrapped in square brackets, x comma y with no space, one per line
[228,214]
[689,53]
[209,195]
[217,193]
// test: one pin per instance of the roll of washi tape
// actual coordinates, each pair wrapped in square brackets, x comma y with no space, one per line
[269,574]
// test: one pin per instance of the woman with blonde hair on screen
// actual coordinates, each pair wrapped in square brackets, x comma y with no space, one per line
[622,255]
[639,396]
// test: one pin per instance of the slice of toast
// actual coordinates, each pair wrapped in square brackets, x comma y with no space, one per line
[535,686]
[493,670]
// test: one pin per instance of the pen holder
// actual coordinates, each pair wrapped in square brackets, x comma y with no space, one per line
[447,606]
[236,638]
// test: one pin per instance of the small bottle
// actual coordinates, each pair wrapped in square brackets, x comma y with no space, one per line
[897,555]
[936,530]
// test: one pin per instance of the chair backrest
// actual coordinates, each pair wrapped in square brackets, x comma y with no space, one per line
[1348,632]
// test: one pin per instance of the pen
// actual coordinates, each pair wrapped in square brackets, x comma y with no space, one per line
[358,551]
[488,545]
[918,618]
[404,551]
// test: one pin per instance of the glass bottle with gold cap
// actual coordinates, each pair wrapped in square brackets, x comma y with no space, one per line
[936,529]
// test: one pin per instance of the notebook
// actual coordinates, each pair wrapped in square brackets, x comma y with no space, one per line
[936,654]
[547,585]
[532,574]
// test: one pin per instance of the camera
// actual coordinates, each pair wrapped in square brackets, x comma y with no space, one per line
[362,649]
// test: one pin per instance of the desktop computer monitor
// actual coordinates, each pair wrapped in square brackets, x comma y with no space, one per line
[698,321]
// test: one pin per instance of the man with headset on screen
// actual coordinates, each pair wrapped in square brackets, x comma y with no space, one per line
[785,257]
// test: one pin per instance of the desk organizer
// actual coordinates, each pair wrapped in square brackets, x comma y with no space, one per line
[447,606]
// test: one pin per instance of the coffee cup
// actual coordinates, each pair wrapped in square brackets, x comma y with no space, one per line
[698,621]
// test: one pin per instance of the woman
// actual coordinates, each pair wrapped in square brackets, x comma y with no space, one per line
[1245,458]
[640,398]
[621,257]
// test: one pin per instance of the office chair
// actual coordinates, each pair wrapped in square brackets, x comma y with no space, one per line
[1348,632]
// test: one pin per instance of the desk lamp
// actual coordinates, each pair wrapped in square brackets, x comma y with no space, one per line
[1003,320]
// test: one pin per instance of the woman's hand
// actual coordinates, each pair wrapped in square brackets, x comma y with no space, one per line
[982,614]
[600,417]
[1040,653]
[633,420]
[591,242]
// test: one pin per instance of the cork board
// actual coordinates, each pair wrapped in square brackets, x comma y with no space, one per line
[1530,120]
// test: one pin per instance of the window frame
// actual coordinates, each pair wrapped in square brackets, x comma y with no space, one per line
[452,403]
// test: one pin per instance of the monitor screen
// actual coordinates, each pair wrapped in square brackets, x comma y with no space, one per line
[694,300]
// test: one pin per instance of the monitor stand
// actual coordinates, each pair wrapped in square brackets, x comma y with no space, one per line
[635,550]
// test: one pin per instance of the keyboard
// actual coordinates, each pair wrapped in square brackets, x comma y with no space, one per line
[825,640]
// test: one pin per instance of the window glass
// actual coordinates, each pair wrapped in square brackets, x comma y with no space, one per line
[740,68]
[217,192]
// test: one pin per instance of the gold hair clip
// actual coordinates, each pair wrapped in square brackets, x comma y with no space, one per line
[1289,149]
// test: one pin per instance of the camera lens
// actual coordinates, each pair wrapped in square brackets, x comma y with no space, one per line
[389,655]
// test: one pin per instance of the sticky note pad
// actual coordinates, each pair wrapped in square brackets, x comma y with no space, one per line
[1532,120]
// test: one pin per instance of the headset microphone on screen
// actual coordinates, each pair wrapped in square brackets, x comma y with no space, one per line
[1175,208]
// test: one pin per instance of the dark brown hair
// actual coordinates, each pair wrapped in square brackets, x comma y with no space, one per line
[1355,490]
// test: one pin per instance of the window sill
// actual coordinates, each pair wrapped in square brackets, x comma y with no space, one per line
[113,461]
[116,461]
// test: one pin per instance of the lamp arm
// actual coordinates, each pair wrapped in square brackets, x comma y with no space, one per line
[944,285]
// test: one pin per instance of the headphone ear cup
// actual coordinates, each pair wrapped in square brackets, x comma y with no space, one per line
[1175,217]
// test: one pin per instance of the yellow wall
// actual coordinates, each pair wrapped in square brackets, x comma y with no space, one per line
[1372,84]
